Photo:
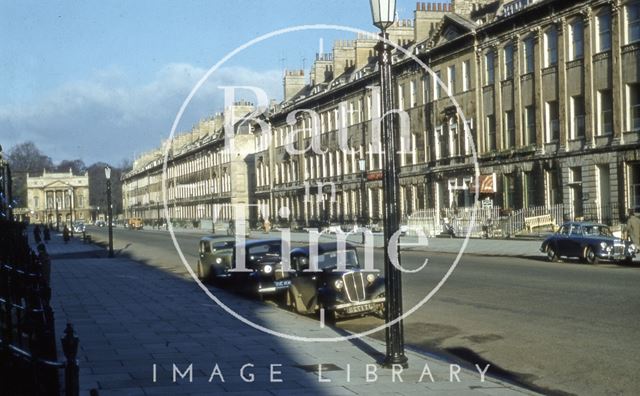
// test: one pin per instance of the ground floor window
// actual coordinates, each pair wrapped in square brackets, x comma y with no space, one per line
[509,191]
[634,185]
[604,194]
[552,183]
[575,185]
[633,101]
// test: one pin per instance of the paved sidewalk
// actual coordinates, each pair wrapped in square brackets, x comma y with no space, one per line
[133,318]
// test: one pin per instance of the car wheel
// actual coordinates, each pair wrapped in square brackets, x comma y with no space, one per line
[590,255]
[329,316]
[551,254]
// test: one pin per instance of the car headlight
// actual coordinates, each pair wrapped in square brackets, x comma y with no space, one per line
[339,284]
[219,260]
[267,269]
[603,245]
[371,278]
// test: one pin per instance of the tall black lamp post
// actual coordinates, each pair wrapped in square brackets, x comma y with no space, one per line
[107,174]
[383,12]
[362,164]
[57,214]
[71,207]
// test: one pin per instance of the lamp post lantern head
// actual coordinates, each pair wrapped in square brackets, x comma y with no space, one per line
[361,164]
[383,13]
[107,172]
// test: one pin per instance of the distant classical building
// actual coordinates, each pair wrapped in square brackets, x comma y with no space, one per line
[58,197]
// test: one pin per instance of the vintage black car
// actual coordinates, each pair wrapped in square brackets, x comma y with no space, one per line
[342,294]
[587,241]
[211,263]
[262,261]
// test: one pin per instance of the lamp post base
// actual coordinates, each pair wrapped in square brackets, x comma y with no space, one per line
[395,360]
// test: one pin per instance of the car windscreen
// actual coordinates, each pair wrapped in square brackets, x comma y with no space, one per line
[597,230]
[270,249]
[224,252]
[330,259]
[221,245]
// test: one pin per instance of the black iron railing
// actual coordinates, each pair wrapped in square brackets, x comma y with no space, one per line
[28,356]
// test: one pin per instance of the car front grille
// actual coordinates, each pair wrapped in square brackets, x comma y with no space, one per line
[618,249]
[354,283]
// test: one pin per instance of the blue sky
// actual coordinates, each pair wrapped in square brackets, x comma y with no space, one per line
[103,80]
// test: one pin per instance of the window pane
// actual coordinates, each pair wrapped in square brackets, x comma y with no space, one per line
[529,55]
[530,125]
[633,22]
[577,40]
[605,112]
[551,44]
[604,32]
[490,68]
[634,103]
[508,61]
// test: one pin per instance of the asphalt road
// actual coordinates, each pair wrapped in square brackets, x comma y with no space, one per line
[558,328]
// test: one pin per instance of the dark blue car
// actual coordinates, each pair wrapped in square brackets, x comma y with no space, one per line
[591,242]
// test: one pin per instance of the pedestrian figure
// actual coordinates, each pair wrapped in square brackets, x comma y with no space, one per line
[633,227]
[36,234]
[232,228]
[47,234]
[65,234]
[267,226]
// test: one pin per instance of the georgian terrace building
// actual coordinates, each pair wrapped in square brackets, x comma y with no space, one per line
[549,94]
[205,180]
[549,90]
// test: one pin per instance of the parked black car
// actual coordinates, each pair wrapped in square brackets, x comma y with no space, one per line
[342,294]
[588,241]
[262,260]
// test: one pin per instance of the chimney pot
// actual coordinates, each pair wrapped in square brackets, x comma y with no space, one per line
[428,6]
[417,6]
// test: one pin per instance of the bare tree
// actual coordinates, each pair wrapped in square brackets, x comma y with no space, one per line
[77,166]
[25,158]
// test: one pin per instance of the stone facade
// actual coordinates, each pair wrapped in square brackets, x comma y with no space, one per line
[205,180]
[61,195]
[540,98]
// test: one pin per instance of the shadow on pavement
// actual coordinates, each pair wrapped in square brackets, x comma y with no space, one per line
[136,321]
[465,356]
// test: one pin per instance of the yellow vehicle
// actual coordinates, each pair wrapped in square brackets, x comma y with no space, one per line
[135,223]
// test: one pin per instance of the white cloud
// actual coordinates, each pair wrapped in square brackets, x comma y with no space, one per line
[107,118]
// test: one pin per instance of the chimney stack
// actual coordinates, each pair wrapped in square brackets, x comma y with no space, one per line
[294,82]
